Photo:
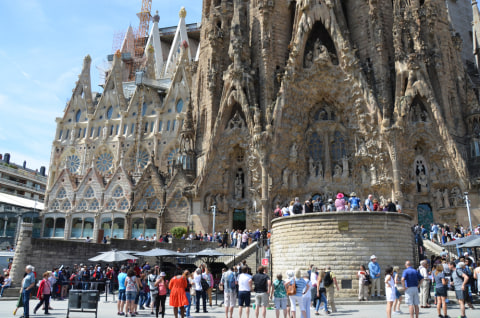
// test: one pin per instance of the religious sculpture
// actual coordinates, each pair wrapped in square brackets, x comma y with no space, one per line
[285,177]
[438,196]
[294,179]
[239,185]
[446,201]
[311,168]
[337,171]
[294,152]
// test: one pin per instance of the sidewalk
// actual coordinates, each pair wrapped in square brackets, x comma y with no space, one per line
[109,310]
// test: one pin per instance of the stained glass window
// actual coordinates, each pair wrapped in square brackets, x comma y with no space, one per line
[316,147]
[61,193]
[182,204]
[338,147]
[118,192]
[179,105]
[111,205]
[89,193]
[78,115]
[73,163]
[83,205]
[56,205]
[109,112]
[172,156]
[155,205]
[94,205]
[124,205]
[149,192]
[66,206]
[104,162]
[173,204]
[142,204]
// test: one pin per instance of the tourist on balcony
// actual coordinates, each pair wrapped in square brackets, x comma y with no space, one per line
[340,202]
[391,207]
[369,203]
[354,202]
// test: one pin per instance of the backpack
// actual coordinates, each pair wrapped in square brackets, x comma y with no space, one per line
[231,281]
[205,284]
[297,208]
[327,280]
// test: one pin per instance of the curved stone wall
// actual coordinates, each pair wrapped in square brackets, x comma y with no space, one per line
[343,240]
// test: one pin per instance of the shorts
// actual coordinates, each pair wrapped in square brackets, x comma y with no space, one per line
[261,299]
[397,293]
[229,299]
[411,296]
[459,294]
[131,295]
[244,299]
[280,303]
[441,291]
[121,295]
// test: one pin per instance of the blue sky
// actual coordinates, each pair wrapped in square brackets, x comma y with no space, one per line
[43,43]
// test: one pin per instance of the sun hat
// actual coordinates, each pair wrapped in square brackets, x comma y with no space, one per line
[339,195]
[373,257]
[353,194]
[162,274]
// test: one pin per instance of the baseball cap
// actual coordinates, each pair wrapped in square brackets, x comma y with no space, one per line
[373,257]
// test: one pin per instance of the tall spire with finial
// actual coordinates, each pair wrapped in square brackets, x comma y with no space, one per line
[154,41]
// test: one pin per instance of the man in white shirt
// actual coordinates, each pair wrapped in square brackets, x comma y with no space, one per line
[244,291]
[425,285]
[199,292]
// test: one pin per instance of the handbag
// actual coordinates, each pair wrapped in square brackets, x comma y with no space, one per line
[292,289]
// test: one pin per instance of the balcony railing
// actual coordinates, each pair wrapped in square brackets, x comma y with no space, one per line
[24,174]
[22,185]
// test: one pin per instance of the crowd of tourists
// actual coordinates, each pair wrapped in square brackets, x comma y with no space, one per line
[443,233]
[340,203]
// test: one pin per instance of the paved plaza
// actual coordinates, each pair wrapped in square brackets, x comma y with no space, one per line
[372,309]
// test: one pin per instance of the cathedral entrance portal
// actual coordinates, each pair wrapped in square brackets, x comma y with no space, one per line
[239,219]
[425,215]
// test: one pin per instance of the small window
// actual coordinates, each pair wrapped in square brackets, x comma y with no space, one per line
[68,134]
[66,206]
[179,106]
[155,205]
[149,192]
[99,131]
[116,130]
[118,192]
[89,193]
[168,125]
[94,206]
[144,109]
[78,115]
[60,134]
[151,126]
[160,125]
[132,129]
[125,129]
[173,125]
[142,204]
[111,205]
[79,132]
[56,205]
[124,205]
[109,112]
[169,110]
[146,127]
[83,205]
[111,130]
[91,131]
[62,193]
[84,132]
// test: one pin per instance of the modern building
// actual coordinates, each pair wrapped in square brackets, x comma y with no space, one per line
[22,193]
[269,100]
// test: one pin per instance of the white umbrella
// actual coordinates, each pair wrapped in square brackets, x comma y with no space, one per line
[112,256]
[159,252]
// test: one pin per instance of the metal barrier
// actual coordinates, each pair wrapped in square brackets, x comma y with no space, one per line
[79,300]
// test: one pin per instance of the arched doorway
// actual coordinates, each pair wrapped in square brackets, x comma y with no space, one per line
[239,219]
[425,215]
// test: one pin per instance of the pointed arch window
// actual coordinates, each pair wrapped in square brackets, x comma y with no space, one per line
[62,194]
[183,204]
[89,193]
[144,109]
[179,106]
[83,205]
[118,192]
[124,205]
[111,205]
[149,192]
[94,205]
[155,205]
[56,205]
[109,112]
[78,116]
[66,206]
[142,204]
[316,146]
[338,147]
[173,204]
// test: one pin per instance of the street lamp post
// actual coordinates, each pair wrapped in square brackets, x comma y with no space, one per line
[467,201]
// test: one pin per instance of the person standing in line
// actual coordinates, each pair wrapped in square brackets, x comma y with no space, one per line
[389,290]
[44,293]
[321,294]
[186,275]
[280,296]
[121,291]
[441,290]
[178,297]
[152,278]
[374,269]
[330,284]
[131,287]
[425,286]
[244,291]
[410,280]
[301,288]
[307,294]
[211,283]
[369,203]
[362,275]
[199,292]
[161,284]
[398,284]
[27,284]
[229,283]
[262,290]
[460,282]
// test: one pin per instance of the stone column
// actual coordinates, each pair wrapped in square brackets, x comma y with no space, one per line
[395,169]
[96,226]
[22,252]
[68,226]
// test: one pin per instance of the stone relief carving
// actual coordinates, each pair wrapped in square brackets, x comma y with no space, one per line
[446,201]
[294,152]
[285,178]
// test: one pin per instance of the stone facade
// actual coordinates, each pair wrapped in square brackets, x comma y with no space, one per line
[283,99]
[342,240]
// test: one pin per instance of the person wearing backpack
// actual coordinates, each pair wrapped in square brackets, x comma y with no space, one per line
[199,291]
[279,293]
[330,281]
[152,278]
[229,283]
[297,206]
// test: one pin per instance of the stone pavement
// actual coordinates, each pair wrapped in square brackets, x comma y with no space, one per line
[345,309]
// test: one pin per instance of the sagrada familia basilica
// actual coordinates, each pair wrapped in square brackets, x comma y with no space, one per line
[266,100]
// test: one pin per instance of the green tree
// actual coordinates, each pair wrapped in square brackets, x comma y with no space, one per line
[178,231]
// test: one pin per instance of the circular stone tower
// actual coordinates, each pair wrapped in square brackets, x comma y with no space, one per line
[343,240]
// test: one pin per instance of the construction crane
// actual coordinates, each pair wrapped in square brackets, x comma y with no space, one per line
[142,32]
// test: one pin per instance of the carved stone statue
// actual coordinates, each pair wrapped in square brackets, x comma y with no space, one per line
[320,169]
[446,201]
[238,187]
[438,196]
[457,197]
[285,177]
[337,171]
[345,167]
[309,59]
[421,176]
[294,152]
[311,168]
[373,174]
[294,179]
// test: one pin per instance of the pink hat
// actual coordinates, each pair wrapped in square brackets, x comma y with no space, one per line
[339,195]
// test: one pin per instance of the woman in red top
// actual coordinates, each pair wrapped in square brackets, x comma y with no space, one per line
[178,298]
[44,292]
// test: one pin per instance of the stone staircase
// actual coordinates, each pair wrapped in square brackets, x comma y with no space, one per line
[249,254]
[432,248]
